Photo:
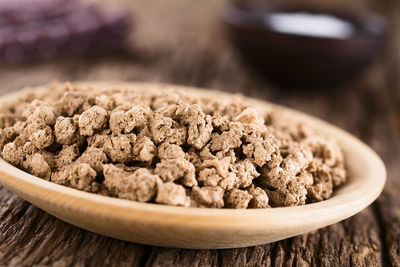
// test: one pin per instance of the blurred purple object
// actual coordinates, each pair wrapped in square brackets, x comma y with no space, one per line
[304,47]
[32,29]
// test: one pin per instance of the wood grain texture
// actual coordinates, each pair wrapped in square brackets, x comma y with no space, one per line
[180,42]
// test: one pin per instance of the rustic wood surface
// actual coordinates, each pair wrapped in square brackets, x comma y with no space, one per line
[181,42]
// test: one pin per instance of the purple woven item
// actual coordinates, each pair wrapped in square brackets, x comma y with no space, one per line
[41,29]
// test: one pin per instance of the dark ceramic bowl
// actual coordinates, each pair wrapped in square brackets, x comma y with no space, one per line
[313,48]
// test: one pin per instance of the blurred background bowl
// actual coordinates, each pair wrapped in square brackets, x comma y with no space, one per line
[302,46]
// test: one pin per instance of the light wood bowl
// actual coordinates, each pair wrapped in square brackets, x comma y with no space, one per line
[168,226]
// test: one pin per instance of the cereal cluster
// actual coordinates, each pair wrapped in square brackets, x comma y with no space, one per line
[169,147]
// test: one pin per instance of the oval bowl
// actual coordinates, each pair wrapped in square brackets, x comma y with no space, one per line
[169,226]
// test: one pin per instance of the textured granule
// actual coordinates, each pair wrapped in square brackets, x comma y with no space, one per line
[169,147]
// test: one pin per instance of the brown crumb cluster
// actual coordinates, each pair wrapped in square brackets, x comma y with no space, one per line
[168,147]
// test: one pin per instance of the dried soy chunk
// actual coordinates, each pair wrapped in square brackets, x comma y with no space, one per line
[75,102]
[229,139]
[286,128]
[249,115]
[165,99]
[42,138]
[27,157]
[66,130]
[222,166]
[83,177]
[94,157]
[199,125]
[294,194]
[38,132]
[125,99]
[207,197]
[237,199]
[38,166]
[230,107]
[193,157]
[114,178]
[144,150]
[7,135]
[134,119]
[285,189]
[170,170]
[139,185]
[245,172]
[50,158]
[209,177]
[200,133]
[170,151]
[259,145]
[229,182]
[119,149]
[165,129]
[62,176]
[44,113]
[67,155]
[296,158]
[169,148]
[92,120]
[12,154]
[105,102]
[322,186]
[259,198]
[171,194]
[6,120]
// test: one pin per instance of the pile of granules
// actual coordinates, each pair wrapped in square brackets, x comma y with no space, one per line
[167,146]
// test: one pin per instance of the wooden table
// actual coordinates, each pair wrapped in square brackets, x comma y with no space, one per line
[181,42]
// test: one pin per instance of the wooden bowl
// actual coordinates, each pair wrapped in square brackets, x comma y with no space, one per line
[298,57]
[168,226]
